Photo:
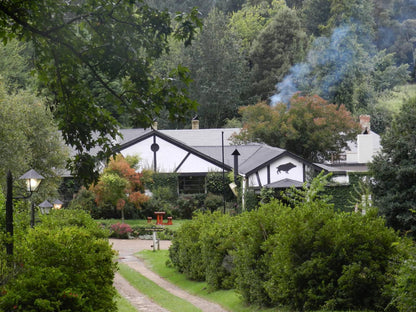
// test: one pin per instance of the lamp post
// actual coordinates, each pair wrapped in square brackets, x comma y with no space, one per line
[33,180]
[45,207]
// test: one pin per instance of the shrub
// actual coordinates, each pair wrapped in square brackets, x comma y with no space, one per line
[64,268]
[250,267]
[404,291]
[320,259]
[120,230]
[217,242]
[213,202]
[185,251]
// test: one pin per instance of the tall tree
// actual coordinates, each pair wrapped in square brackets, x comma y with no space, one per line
[279,46]
[85,48]
[394,171]
[219,71]
[29,138]
[311,127]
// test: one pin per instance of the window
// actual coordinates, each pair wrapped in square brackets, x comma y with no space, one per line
[192,184]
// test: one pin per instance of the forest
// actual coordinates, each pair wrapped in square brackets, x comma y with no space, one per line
[347,52]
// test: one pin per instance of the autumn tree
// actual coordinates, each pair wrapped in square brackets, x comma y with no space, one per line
[120,183]
[311,127]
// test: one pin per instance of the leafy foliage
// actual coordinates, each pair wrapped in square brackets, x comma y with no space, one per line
[120,183]
[66,266]
[30,139]
[279,45]
[94,55]
[394,171]
[306,257]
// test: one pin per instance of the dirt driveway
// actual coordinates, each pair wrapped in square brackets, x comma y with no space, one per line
[126,249]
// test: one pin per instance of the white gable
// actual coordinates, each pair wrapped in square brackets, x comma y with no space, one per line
[283,168]
[169,157]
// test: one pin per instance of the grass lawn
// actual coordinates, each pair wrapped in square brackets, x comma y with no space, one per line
[155,292]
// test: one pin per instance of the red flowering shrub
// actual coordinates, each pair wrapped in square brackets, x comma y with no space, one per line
[120,230]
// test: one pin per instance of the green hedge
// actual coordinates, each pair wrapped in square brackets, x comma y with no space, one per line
[306,258]
[65,265]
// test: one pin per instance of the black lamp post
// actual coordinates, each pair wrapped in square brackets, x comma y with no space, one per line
[33,180]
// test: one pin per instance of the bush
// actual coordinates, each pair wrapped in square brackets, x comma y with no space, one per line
[186,250]
[120,230]
[251,269]
[217,243]
[404,291]
[213,202]
[63,268]
[186,205]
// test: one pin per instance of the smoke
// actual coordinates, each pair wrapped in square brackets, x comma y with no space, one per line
[326,64]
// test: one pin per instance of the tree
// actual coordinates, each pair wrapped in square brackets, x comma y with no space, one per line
[119,183]
[394,171]
[315,15]
[248,22]
[30,139]
[279,46]
[15,68]
[311,127]
[90,52]
[219,71]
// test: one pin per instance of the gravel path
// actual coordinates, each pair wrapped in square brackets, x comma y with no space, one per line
[126,249]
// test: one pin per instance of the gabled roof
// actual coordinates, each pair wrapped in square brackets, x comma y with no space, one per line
[285,183]
[173,141]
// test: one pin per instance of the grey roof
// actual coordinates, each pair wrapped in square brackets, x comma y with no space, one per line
[285,183]
[202,137]
[251,156]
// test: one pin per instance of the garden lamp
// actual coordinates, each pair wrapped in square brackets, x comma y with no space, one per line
[45,207]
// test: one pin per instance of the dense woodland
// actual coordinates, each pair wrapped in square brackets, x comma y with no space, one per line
[347,52]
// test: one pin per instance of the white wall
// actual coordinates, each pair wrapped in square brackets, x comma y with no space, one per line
[295,173]
[168,157]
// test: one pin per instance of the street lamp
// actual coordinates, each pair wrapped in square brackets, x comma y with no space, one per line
[45,207]
[57,204]
[33,180]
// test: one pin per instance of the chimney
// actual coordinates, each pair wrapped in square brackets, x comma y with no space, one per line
[365,123]
[195,123]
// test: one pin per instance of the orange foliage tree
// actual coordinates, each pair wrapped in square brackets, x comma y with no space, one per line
[311,127]
[120,183]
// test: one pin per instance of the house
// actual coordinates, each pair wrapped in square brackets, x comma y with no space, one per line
[359,152]
[193,153]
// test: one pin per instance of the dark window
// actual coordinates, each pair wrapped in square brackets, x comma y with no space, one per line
[191,184]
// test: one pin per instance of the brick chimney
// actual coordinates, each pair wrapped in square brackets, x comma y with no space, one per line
[365,123]
[195,123]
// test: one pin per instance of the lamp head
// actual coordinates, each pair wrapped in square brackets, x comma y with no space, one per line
[57,204]
[33,180]
[45,207]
